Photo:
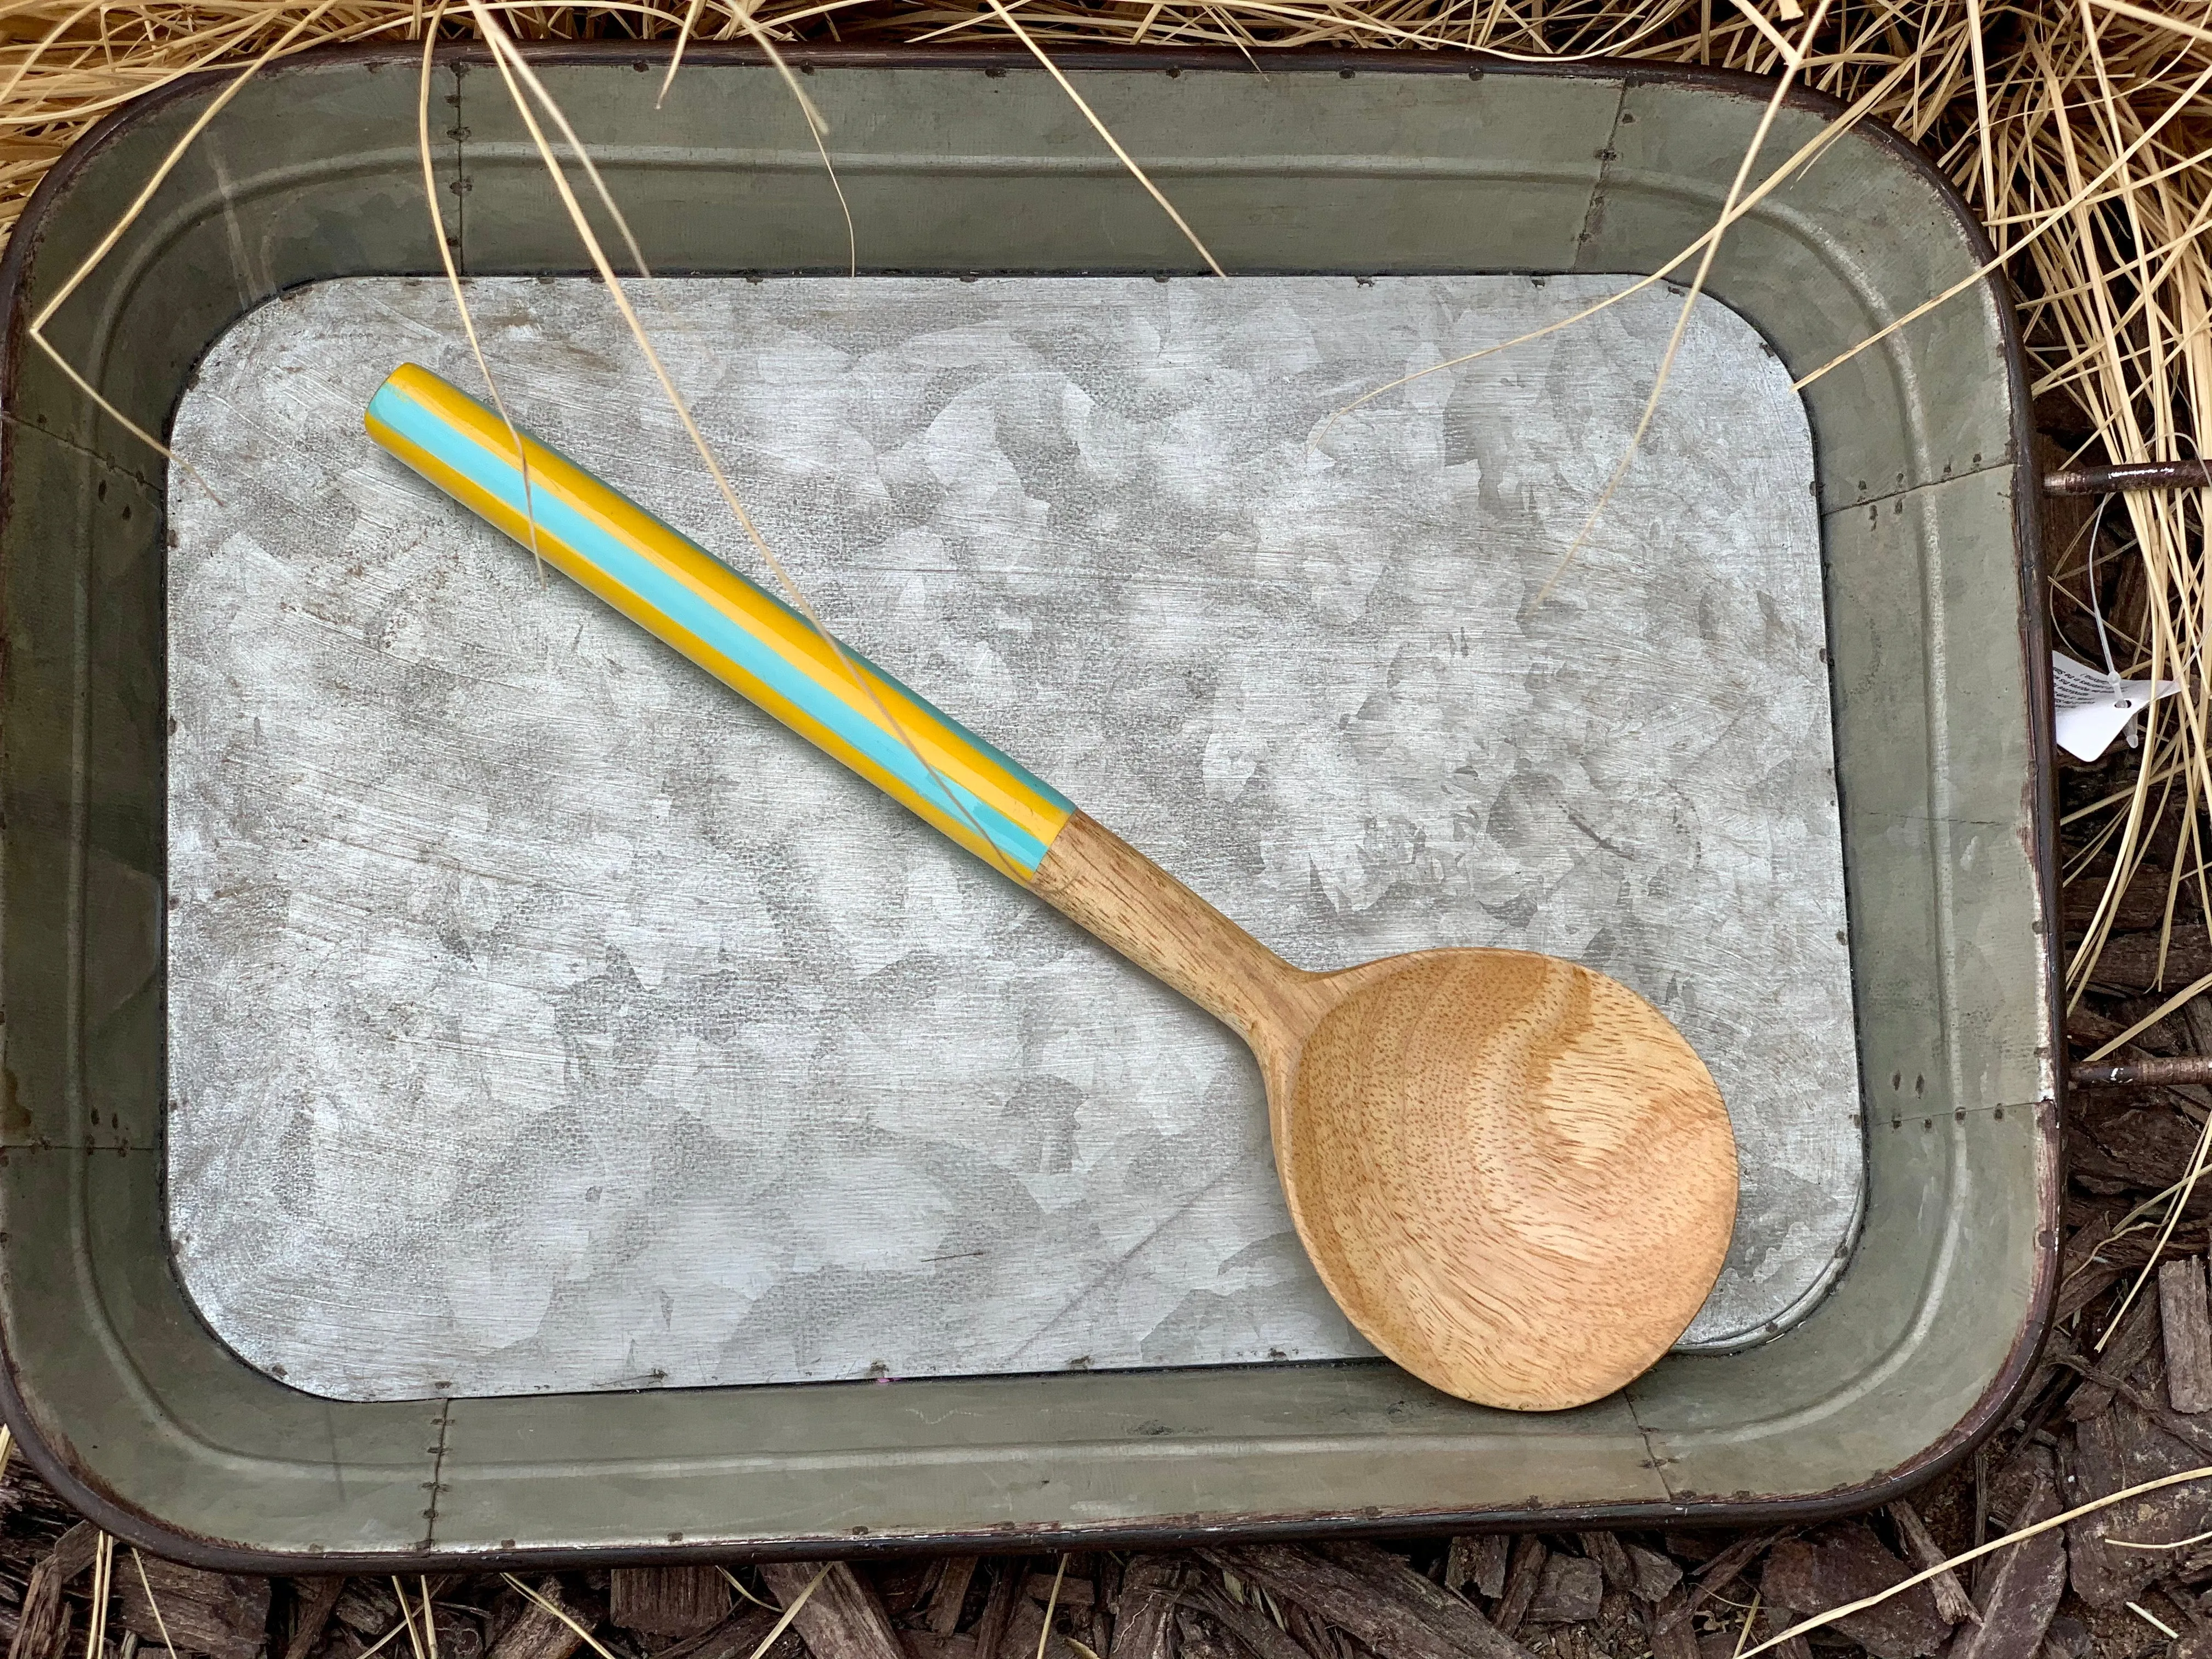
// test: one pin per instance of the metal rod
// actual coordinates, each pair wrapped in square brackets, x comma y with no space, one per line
[2145,1073]
[2136,475]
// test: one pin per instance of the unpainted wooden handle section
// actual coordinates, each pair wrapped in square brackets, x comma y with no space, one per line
[1114,892]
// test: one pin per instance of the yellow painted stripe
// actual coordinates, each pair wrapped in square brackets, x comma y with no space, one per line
[743,635]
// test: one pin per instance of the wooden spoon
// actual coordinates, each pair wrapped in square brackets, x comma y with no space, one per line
[1514,1176]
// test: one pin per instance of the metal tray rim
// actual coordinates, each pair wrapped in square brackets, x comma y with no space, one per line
[84,1490]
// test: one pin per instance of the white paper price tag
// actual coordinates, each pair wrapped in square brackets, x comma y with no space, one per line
[2093,707]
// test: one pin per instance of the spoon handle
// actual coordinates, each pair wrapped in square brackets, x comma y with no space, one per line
[837,700]
[744,636]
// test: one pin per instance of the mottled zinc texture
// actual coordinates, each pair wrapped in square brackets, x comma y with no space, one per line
[542,1017]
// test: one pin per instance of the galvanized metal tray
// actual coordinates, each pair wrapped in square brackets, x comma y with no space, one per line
[541,1019]
[961,165]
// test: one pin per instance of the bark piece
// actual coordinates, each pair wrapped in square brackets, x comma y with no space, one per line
[1478,1561]
[1312,1634]
[1771,1621]
[2154,1146]
[1952,1604]
[2184,1316]
[1197,1640]
[2125,1446]
[842,1619]
[1722,1570]
[1612,1559]
[536,1632]
[1026,1636]
[1076,1590]
[366,1607]
[902,1586]
[931,1644]
[225,1615]
[1491,1560]
[313,1599]
[2129,962]
[1728,1565]
[999,1612]
[1391,1609]
[735,1637]
[1655,1574]
[1571,1590]
[667,1600]
[1843,1563]
[1523,1575]
[42,1622]
[1251,1628]
[951,1594]
[1667,1627]
[1389,1574]
[2019,1587]
[459,1636]
[2083,1273]
[2138,1332]
[1144,1613]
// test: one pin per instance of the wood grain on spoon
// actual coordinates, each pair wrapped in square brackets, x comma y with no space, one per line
[1512,1173]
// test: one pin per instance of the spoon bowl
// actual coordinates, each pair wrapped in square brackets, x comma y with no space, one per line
[1513,1173]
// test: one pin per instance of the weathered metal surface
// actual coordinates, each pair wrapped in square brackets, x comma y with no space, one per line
[541,1018]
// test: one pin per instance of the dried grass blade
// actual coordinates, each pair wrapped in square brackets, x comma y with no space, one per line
[1105,132]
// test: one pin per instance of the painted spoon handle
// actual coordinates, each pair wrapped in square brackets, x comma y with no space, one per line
[757,645]
[741,633]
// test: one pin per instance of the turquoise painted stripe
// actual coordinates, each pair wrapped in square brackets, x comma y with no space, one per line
[690,612]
